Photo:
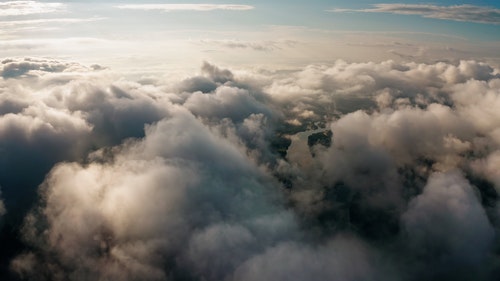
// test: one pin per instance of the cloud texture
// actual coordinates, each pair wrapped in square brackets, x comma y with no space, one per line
[468,13]
[21,8]
[165,179]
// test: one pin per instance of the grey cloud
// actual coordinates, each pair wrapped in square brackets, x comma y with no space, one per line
[467,13]
[198,83]
[212,76]
[448,228]
[216,74]
[33,67]
[340,259]
[488,168]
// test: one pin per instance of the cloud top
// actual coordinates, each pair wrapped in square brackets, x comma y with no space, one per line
[182,178]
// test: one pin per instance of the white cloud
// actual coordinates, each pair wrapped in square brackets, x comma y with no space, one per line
[467,13]
[193,193]
[20,8]
[186,7]
[176,177]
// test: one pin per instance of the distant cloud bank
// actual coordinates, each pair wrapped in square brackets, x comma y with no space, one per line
[467,13]
[21,8]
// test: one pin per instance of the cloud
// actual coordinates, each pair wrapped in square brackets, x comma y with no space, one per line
[466,13]
[257,46]
[193,194]
[341,259]
[13,23]
[191,177]
[61,111]
[33,67]
[186,7]
[448,227]
[488,168]
[21,8]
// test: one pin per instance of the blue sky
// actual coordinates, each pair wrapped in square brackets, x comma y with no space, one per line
[253,32]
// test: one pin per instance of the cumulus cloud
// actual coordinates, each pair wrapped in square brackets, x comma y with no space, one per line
[204,198]
[467,13]
[58,111]
[186,7]
[20,8]
[448,227]
[194,178]
[341,259]
[13,68]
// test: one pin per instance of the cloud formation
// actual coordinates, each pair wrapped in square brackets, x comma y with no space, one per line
[186,7]
[193,179]
[447,226]
[21,8]
[257,46]
[466,13]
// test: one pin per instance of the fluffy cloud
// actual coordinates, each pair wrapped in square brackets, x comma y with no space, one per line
[13,68]
[192,195]
[55,111]
[341,259]
[167,179]
[469,13]
[448,227]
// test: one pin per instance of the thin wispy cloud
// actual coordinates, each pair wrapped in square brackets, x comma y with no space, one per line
[466,13]
[10,29]
[47,21]
[186,7]
[268,45]
[21,8]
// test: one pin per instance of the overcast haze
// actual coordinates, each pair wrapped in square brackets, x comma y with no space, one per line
[249,140]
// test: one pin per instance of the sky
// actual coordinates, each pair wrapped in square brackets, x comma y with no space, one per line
[249,140]
[291,33]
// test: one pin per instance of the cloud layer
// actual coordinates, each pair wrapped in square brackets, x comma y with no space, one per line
[186,7]
[467,13]
[21,8]
[192,179]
